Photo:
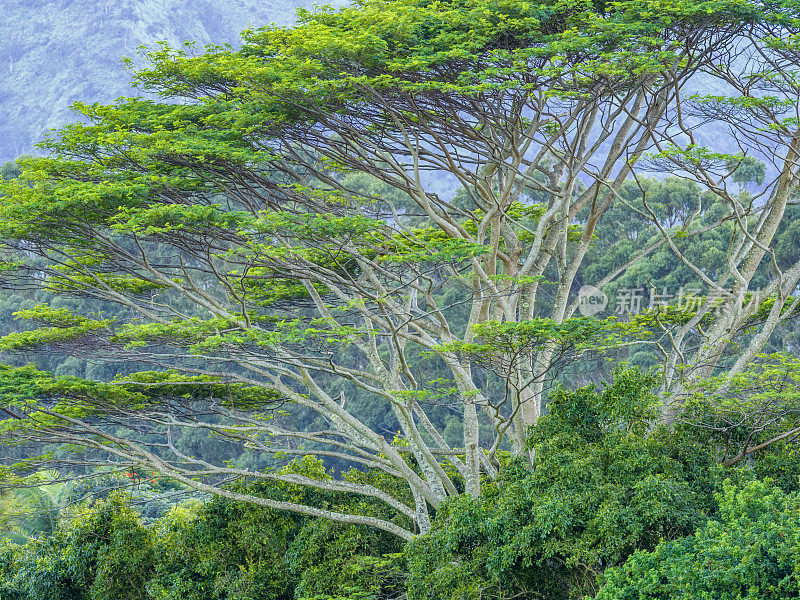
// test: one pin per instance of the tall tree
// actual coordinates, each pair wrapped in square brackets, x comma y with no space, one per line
[279,228]
[752,289]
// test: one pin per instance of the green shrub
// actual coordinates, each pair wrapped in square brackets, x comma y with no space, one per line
[751,552]
[102,553]
[605,482]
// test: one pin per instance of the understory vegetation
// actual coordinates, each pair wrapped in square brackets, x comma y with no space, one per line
[615,506]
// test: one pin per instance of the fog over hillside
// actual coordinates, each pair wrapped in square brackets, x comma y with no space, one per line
[54,52]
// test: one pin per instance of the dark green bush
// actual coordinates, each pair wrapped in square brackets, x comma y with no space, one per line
[751,552]
[102,553]
[605,482]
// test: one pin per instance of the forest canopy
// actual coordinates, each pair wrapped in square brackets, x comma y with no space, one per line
[367,239]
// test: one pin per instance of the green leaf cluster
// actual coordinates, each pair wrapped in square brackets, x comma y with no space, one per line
[751,550]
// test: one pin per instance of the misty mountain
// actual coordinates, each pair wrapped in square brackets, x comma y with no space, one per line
[54,52]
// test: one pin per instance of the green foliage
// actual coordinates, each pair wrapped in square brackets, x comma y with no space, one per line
[31,388]
[330,560]
[780,464]
[250,553]
[27,386]
[101,553]
[750,551]
[64,327]
[223,550]
[35,507]
[605,482]
[609,494]
[209,196]
[515,338]
[112,552]
[747,170]
[749,410]
[200,212]
[9,171]
[217,550]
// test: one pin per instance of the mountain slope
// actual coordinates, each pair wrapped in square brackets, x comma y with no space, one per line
[54,52]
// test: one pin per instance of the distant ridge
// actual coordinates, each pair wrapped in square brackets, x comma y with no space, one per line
[54,52]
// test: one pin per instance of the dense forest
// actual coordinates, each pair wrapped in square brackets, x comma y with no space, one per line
[453,300]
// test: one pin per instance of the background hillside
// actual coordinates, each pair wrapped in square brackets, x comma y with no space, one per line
[54,52]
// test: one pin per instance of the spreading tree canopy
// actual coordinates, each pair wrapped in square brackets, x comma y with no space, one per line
[389,205]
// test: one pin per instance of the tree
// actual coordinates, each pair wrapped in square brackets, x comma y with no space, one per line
[752,290]
[215,550]
[748,411]
[280,231]
[34,509]
[102,552]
